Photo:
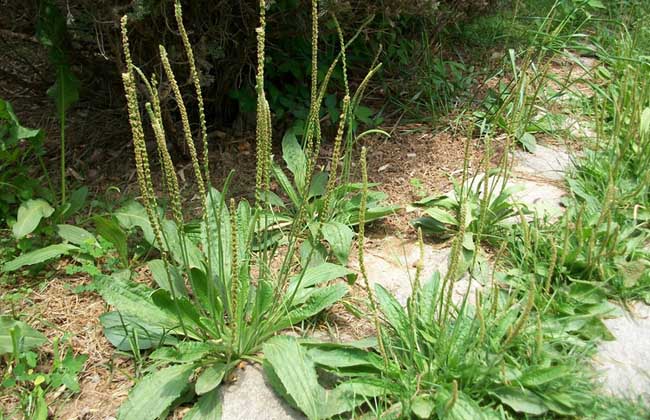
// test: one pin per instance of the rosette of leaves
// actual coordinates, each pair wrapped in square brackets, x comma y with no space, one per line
[219,293]
[492,359]
[211,306]
[488,207]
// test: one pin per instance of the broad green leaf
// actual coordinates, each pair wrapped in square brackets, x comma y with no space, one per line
[286,185]
[288,363]
[185,352]
[65,90]
[155,393]
[596,4]
[208,407]
[272,199]
[313,254]
[134,299]
[507,320]
[541,376]
[168,278]
[521,400]
[316,275]
[528,142]
[429,296]
[110,229]
[15,131]
[441,216]
[347,396]
[295,158]
[375,213]
[30,214]
[297,373]
[430,225]
[392,310]
[339,236]
[464,408]
[39,256]
[343,357]
[76,202]
[318,184]
[28,337]
[264,294]
[75,235]
[182,309]
[180,246]
[132,215]
[127,333]
[199,284]
[210,378]
[40,407]
[319,300]
[423,406]
[216,234]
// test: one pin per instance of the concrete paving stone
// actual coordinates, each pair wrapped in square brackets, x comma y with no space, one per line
[624,364]
[250,397]
[391,262]
[546,162]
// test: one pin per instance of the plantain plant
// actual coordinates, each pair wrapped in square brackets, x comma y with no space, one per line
[330,200]
[221,294]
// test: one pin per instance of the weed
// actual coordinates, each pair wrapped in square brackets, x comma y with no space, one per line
[25,377]
[51,32]
[217,301]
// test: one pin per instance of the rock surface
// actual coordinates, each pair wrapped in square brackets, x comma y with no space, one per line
[624,363]
[540,198]
[392,263]
[547,162]
[251,397]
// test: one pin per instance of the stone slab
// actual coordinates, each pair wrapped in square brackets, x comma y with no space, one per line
[391,262]
[250,397]
[624,364]
[546,162]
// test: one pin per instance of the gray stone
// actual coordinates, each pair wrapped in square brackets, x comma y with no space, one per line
[547,163]
[540,198]
[391,262]
[250,397]
[624,363]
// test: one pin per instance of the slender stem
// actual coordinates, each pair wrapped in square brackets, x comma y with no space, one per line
[62,125]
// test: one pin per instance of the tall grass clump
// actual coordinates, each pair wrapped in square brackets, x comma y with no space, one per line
[219,295]
[600,244]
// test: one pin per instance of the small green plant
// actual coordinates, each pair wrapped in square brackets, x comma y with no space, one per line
[18,146]
[601,240]
[24,376]
[519,104]
[419,190]
[330,212]
[76,241]
[489,207]
[35,218]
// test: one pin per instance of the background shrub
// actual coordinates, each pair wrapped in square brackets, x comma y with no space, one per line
[223,35]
